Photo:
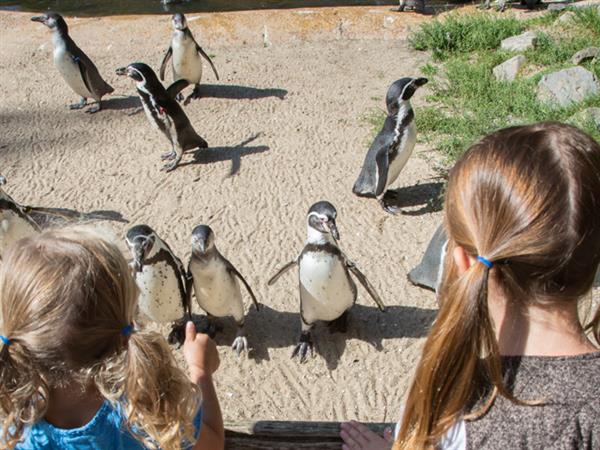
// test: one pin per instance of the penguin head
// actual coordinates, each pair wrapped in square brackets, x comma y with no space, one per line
[139,72]
[140,240]
[203,240]
[402,90]
[321,217]
[52,20]
[179,22]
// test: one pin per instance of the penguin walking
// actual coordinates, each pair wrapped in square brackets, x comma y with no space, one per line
[164,112]
[76,68]
[327,291]
[392,147]
[187,57]
[15,222]
[215,283]
[161,279]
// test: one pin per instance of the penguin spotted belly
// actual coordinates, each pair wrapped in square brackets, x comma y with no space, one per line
[69,70]
[13,228]
[325,288]
[160,297]
[187,63]
[217,291]
[405,149]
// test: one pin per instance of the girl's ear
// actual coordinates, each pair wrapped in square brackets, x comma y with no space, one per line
[462,259]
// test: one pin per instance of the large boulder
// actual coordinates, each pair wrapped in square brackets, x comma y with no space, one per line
[519,43]
[567,86]
[508,70]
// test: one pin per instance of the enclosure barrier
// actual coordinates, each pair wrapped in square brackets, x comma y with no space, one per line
[286,435]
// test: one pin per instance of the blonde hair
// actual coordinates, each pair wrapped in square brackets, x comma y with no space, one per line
[528,199]
[65,297]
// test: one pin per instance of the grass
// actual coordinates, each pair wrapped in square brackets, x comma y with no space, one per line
[467,102]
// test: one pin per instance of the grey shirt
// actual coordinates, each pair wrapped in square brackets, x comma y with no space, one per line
[569,418]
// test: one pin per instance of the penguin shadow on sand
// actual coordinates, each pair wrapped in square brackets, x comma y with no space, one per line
[131,102]
[420,199]
[234,154]
[45,217]
[268,328]
[236,92]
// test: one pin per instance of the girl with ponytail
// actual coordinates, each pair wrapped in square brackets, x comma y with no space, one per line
[76,371]
[508,362]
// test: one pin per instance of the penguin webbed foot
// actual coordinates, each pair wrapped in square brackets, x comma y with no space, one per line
[94,109]
[240,344]
[173,164]
[79,105]
[168,155]
[177,333]
[389,202]
[304,346]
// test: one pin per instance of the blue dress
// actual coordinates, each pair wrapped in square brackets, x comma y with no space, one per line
[106,430]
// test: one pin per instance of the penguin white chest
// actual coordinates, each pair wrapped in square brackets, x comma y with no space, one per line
[160,297]
[326,291]
[13,228]
[406,145]
[187,63]
[217,291]
[69,69]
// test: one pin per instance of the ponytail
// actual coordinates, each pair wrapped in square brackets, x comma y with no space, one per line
[155,394]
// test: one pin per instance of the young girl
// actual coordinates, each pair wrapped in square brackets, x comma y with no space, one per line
[77,372]
[507,363]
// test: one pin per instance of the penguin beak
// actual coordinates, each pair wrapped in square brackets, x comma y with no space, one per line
[333,230]
[199,246]
[420,81]
[41,19]
[120,71]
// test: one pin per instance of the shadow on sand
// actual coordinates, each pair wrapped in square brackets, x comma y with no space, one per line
[425,195]
[120,103]
[236,92]
[53,216]
[269,328]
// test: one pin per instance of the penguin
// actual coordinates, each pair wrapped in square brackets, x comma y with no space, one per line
[77,69]
[161,279]
[15,222]
[428,273]
[215,283]
[187,57]
[392,147]
[164,112]
[327,290]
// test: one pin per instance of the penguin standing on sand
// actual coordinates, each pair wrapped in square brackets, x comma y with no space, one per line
[327,291]
[164,112]
[187,57]
[161,279]
[77,69]
[15,223]
[392,147]
[215,283]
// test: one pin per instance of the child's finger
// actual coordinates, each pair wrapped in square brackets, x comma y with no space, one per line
[190,331]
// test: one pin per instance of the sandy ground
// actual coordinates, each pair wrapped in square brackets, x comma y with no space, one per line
[286,128]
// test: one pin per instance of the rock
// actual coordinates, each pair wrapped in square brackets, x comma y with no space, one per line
[508,70]
[519,43]
[585,54]
[566,18]
[556,6]
[567,86]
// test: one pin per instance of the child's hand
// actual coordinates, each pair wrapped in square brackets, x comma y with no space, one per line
[356,436]
[200,353]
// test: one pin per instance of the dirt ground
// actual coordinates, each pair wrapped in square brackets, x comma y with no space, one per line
[285,126]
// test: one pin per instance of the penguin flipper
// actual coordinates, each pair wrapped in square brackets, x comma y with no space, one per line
[91,77]
[365,282]
[281,271]
[373,176]
[176,87]
[231,269]
[165,60]
[203,53]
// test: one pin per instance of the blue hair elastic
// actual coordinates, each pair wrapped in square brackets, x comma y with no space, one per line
[486,262]
[5,340]
[127,330]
